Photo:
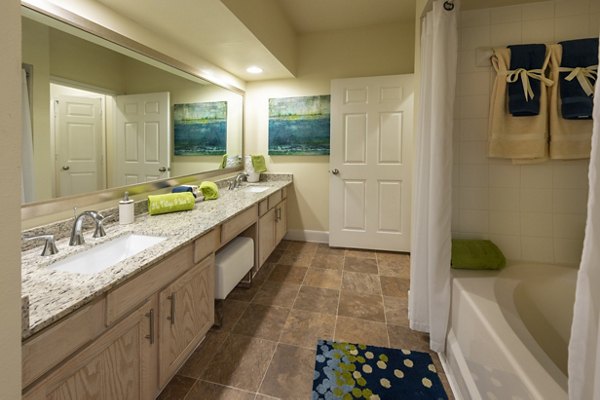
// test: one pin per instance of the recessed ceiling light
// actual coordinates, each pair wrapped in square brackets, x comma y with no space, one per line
[254,70]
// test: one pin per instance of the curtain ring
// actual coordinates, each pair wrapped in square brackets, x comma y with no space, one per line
[449,5]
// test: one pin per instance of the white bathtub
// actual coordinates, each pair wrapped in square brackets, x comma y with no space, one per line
[509,331]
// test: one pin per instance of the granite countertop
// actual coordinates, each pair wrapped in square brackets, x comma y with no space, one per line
[54,294]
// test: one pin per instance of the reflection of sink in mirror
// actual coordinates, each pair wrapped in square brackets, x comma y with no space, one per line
[256,189]
[105,255]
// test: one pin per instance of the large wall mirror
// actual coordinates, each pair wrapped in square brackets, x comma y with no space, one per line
[104,117]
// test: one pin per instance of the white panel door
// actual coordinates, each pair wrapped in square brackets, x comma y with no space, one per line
[79,145]
[143,141]
[370,162]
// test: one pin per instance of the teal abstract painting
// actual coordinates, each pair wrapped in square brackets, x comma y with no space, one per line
[200,129]
[299,125]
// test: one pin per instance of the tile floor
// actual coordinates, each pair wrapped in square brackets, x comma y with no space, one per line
[265,348]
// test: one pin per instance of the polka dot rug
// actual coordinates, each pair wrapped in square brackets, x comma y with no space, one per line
[349,371]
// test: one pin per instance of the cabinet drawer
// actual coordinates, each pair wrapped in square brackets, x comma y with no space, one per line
[205,245]
[237,224]
[133,292]
[274,199]
[263,207]
[54,344]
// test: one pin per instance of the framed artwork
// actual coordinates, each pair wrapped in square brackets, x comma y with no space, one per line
[299,125]
[200,129]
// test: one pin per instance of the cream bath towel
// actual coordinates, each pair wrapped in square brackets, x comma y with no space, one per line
[518,138]
[570,139]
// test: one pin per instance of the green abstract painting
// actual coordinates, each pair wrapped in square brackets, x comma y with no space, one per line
[299,125]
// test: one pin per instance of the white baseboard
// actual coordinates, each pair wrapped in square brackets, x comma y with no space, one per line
[307,236]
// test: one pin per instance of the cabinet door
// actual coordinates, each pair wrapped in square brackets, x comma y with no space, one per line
[281,224]
[186,314]
[120,364]
[266,235]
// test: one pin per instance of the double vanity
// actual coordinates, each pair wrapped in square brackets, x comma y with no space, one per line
[118,316]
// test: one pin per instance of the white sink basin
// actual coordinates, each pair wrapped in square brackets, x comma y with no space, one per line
[105,255]
[256,189]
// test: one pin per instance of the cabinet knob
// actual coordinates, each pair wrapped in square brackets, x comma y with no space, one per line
[335,171]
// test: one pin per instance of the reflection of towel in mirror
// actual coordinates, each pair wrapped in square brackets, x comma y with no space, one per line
[570,139]
[517,138]
[578,73]
[223,161]
[258,163]
[209,190]
[526,62]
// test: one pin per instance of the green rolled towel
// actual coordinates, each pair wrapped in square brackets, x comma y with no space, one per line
[170,202]
[223,161]
[209,190]
[258,163]
[476,254]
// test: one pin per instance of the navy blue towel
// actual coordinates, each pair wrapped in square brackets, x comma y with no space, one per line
[576,104]
[179,189]
[527,56]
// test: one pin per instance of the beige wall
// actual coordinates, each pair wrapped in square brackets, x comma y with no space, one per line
[10,165]
[382,50]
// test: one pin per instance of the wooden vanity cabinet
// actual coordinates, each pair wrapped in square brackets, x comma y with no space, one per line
[120,364]
[272,227]
[185,316]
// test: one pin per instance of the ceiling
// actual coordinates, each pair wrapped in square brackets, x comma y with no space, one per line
[308,16]
[210,30]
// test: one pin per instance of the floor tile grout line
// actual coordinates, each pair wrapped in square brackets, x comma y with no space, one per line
[267,370]
[337,309]
[220,384]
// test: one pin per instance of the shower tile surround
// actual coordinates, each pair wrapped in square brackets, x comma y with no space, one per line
[532,212]
[54,294]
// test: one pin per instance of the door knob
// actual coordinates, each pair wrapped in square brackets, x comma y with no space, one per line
[65,167]
[335,171]
[162,169]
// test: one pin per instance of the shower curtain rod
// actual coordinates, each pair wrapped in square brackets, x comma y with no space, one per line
[449,5]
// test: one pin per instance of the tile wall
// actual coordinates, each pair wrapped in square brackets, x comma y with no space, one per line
[532,212]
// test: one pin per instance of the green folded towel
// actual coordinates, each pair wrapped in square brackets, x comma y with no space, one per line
[476,254]
[209,190]
[223,161]
[258,163]
[170,202]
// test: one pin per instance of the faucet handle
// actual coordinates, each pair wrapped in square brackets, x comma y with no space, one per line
[99,232]
[49,244]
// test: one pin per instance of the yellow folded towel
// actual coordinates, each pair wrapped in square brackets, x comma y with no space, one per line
[223,161]
[209,190]
[520,138]
[570,139]
[171,202]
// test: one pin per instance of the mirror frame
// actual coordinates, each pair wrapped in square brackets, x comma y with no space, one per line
[49,207]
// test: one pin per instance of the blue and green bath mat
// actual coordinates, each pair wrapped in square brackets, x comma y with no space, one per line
[349,371]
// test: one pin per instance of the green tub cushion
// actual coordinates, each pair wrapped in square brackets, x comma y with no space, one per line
[476,254]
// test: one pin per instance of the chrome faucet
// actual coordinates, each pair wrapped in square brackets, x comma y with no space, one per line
[237,181]
[49,244]
[77,235]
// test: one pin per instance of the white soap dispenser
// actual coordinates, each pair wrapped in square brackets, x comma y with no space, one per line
[126,210]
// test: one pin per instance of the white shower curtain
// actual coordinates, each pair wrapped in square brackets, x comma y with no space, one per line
[429,302]
[26,146]
[584,347]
